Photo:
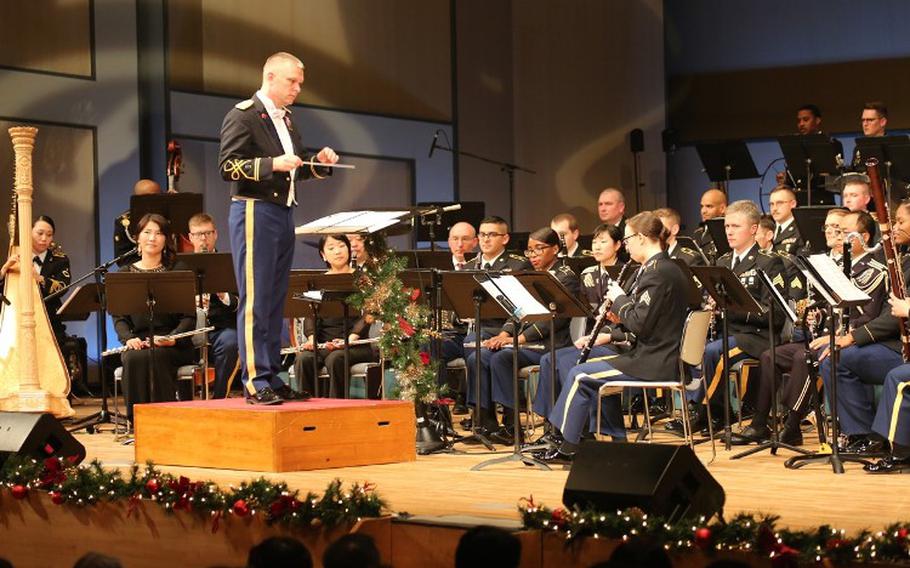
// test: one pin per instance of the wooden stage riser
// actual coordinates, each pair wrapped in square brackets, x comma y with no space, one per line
[294,439]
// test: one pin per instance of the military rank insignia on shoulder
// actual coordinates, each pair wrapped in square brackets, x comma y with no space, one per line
[688,251]
[565,269]
[243,105]
[517,257]
[769,254]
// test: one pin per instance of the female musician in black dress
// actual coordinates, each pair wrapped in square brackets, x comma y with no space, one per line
[156,254]
[336,252]
[51,269]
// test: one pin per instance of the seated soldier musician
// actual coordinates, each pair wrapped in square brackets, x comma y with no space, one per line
[606,246]
[651,317]
[543,246]
[51,269]
[155,255]
[221,312]
[494,236]
[328,345]
[749,332]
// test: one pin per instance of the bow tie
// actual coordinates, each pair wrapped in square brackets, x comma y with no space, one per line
[277,114]
[37,260]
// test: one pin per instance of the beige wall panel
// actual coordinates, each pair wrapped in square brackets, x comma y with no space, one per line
[390,57]
[47,35]
[578,93]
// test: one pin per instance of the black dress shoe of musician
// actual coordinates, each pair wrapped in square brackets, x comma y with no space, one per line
[866,448]
[466,423]
[460,409]
[554,456]
[751,435]
[505,436]
[264,396]
[889,464]
[791,435]
[289,394]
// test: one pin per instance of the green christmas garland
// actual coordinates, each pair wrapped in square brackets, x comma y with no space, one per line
[87,485]
[406,325]
[757,534]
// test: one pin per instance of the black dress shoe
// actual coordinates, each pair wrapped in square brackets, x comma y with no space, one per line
[460,409]
[866,448]
[287,393]
[751,435]
[264,396]
[889,464]
[791,436]
[554,456]
[504,436]
[466,423]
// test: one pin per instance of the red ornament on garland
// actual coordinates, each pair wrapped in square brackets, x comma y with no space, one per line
[902,533]
[56,498]
[240,508]
[152,486]
[424,357]
[406,328]
[19,491]
[703,537]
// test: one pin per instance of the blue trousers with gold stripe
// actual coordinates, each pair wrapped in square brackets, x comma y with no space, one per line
[859,369]
[501,372]
[262,242]
[470,360]
[223,343]
[713,367]
[892,419]
[579,397]
[566,359]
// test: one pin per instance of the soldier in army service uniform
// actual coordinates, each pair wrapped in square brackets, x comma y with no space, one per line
[713,205]
[786,236]
[671,220]
[262,157]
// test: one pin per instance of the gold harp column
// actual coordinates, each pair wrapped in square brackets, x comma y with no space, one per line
[29,388]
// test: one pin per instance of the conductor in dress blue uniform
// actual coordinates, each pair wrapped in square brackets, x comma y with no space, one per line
[262,156]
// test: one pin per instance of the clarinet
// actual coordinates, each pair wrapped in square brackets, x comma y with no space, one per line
[602,310]
[892,257]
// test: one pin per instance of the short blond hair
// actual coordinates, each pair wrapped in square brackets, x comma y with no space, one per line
[747,208]
[281,57]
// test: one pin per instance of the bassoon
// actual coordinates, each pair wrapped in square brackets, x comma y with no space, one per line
[892,257]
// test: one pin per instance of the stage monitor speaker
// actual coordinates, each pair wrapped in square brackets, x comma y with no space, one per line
[662,480]
[38,436]
[471,212]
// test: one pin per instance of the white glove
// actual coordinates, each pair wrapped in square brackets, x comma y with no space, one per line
[614,291]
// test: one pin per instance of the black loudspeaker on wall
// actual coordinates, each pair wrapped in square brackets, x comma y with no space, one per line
[637,140]
[662,480]
[38,436]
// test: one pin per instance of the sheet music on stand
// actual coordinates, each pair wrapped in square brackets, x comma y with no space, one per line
[352,222]
[784,304]
[513,296]
[830,281]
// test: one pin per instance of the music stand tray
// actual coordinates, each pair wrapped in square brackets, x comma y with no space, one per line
[810,222]
[215,271]
[438,259]
[177,208]
[718,235]
[128,292]
[726,160]
[79,305]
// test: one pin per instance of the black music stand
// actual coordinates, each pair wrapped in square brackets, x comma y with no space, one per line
[726,160]
[214,275]
[578,263]
[689,242]
[92,300]
[893,152]
[438,259]
[520,306]
[151,292]
[809,157]
[462,295]
[550,292]
[730,296]
[840,294]
[810,222]
[83,301]
[177,208]
[718,233]
[774,443]
[319,295]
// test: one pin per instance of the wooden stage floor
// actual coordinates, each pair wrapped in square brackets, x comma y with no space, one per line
[443,485]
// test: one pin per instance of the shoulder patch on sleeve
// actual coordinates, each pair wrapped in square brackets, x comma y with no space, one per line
[243,105]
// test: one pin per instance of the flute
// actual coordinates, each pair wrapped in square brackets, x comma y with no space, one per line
[174,336]
[532,347]
[336,343]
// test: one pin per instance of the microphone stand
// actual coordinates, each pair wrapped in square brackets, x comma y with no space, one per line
[90,423]
[507,167]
